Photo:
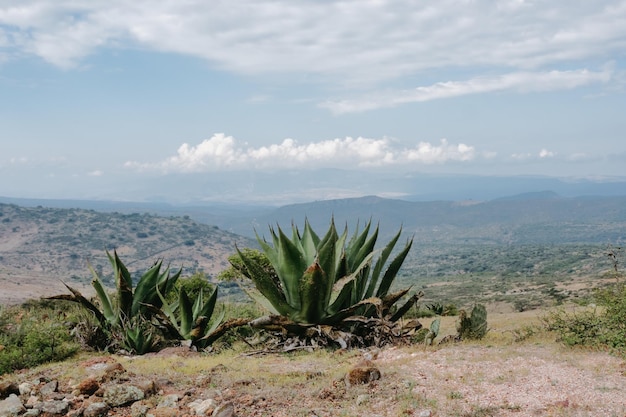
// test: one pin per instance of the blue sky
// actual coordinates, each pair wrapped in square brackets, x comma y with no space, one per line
[100,98]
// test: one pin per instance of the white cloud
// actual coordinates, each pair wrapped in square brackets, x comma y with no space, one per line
[519,82]
[349,40]
[544,153]
[222,152]
[96,173]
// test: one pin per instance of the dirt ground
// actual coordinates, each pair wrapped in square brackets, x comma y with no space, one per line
[511,372]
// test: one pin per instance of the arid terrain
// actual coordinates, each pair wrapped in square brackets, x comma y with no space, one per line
[515,371]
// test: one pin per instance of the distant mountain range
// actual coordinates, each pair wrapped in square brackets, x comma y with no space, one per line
[44,242]
[536,217]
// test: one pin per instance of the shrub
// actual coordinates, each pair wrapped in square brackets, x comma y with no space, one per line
[33,334]
[600,327]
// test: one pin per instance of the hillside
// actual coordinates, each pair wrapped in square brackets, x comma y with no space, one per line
[516,249]
[40,247]
[524,219]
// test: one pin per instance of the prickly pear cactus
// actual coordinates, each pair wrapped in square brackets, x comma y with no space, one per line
[433,332]
[474,326]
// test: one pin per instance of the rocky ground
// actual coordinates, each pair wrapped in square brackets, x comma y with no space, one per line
[495,377]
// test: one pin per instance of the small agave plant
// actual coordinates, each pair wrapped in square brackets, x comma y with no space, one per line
[134,316]
[187,320]
[330,281]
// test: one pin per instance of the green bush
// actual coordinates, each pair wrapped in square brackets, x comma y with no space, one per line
[600,327]
[33,334]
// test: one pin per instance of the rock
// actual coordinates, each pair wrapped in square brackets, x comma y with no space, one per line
[8,388]
[11,406]
[202,408]
[33,412]
[25,388]
[425,413]
[88,386]
[119,395]
[98,409]
[363,373]
[170,400]
[49,388]
[32,401]
[112,371]
[139,409]
[148,386]
[226,409]
[55,407]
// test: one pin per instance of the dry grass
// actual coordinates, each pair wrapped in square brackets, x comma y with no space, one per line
[497,376]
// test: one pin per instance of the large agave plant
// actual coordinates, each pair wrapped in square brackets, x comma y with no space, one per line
[326,280]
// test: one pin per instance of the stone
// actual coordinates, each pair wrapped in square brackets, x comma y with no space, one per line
[363,373]
[88,386]
[8,388]
[226,409]
[55,407]
[97,409]
[33,412]
[11,406]
[119,395]
[32,401]
[47,389]
[202,407]
[25,388]
[425,413]
[170,400]
[139,409]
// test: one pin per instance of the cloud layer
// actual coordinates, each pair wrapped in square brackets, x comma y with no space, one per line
[519,82]
[222,152]
[353,41]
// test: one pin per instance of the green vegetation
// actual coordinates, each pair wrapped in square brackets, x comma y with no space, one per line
[138,319]
[35,333]
[601,326]
[473,327]
[326,280]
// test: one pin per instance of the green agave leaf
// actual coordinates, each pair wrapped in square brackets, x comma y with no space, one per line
[347,312]
[394,267]
[290,268]
[78,297]
[328,264]
[185,311]
[124,284]
[208,307]
[146,289]
[355,244]
[344,288]
[310,242]
[215,324]
[108,311]
[260,299]
[406,307]
[168,310]
[265,284]
[312,285]
[380,263]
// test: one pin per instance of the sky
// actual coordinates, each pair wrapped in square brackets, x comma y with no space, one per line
[122,99]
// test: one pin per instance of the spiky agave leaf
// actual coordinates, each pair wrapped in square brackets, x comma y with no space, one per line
[313,285]
[380,263]
[392,270]
[124,285]
[265,283]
